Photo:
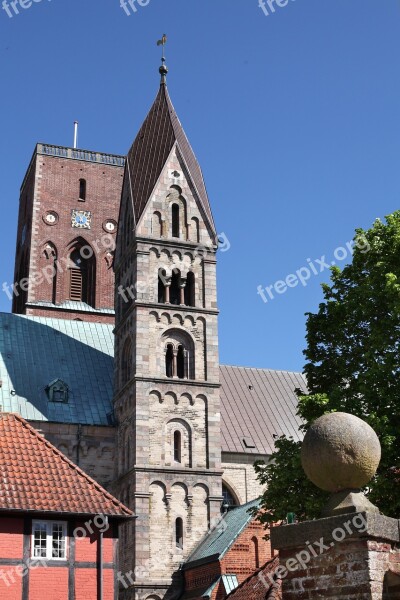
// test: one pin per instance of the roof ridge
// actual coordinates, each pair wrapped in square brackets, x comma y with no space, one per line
[65,459]
[262,369]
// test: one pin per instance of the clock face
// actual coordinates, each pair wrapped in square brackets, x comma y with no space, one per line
[50,218]
[81,219]
[110,226]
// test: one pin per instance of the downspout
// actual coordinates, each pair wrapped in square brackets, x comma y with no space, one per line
[100,594]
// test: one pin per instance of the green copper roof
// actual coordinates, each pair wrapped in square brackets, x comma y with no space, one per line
[216,543]
[36,351]
[256,404]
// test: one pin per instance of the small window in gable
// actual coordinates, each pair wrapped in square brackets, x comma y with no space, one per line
[175,221]
[57,391]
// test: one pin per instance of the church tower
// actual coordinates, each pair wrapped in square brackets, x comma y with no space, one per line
[167,368]
[67,226]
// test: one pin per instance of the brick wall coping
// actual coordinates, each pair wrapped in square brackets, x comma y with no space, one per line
[113,160]
[301,534]
[78,154]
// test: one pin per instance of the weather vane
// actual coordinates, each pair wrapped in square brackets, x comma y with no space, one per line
[162,43]
[163,69]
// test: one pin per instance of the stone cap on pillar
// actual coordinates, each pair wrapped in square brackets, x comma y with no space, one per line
[341,454]
[336,529]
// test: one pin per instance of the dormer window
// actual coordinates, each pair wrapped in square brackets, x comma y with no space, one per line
[57,391]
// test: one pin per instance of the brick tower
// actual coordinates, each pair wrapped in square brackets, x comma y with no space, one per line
[67,226]
[167,370]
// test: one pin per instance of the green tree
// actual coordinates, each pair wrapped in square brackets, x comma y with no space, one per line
[353,365]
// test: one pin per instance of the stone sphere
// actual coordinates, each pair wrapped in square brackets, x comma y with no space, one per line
[340,452]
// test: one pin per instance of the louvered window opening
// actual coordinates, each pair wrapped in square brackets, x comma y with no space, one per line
[76,287]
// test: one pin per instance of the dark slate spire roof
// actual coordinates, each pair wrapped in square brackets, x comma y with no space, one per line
[151,149]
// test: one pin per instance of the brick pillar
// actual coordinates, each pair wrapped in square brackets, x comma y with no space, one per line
[346,557]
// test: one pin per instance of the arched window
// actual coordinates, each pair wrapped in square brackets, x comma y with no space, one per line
[82,190]
[162,275]
[256,553]
[156,225]
[178,351]
[195,230]
[177,447]
[82,274]
[190,289]
[175,221]
[126,363]
[50,254]
[228,495]
[180,362]
[169,361]
[175,291]
[179,533]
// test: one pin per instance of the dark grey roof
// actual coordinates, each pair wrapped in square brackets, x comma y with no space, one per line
[215,544]
[256,405]
[34,351]
[151,149]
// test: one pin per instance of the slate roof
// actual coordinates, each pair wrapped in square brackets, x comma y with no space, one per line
[151,149]
[35,351]
[36,477]
[256,405]
[216,544]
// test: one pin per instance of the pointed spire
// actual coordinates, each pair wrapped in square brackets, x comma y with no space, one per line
[163,70]
[146,159]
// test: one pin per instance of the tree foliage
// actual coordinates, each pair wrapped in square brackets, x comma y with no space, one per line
[353,365]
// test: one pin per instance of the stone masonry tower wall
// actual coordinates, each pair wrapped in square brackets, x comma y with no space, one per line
[167,367]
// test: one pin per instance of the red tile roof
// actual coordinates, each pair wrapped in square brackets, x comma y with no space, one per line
[36,477]
[262,585]
[151,149]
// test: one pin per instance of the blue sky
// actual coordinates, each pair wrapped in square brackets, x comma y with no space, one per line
[294,118]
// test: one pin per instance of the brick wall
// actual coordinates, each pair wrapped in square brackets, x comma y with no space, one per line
[51,580]
[241,560]
[53,185]
[248,553]
[315,564]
